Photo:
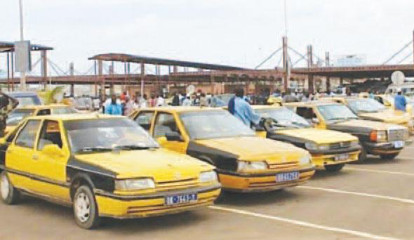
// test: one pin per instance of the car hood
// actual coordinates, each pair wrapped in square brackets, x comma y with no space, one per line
[160,164]
[254,148]
[318,136]
[359,126]
[388,116]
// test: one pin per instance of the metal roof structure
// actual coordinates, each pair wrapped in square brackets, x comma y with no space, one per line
[9,47]
[119,57]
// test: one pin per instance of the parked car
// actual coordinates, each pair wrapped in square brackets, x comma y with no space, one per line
[26,98]
[330,149]
[244,162]
[103,166]
[378,138]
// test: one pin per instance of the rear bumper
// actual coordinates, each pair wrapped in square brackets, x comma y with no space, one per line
[262,182]
[321,160]
[381,148]
[123,207]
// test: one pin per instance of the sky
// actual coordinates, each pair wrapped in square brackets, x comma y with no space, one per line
[232,32]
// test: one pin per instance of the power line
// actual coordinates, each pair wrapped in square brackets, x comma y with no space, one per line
[405,58]
[267,59]
[398,52]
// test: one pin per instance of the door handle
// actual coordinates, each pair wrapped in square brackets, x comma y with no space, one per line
[35,157]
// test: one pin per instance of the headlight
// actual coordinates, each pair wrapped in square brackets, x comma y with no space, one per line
[134,184]
[210,176]
[305,160]
[243,165]
[314,147]
[378,136]
[311,146]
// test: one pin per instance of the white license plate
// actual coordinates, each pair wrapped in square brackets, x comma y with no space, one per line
[286,177]
[342,157]
[181,199]
[399,144]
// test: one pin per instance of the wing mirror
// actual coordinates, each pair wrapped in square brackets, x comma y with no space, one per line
[315,120]
[52,150]
[173,136]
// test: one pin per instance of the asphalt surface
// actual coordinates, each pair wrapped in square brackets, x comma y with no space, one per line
[374,200]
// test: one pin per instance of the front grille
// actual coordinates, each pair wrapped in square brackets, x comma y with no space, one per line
[283,165]
[339,145]
[177,184]
[396,135]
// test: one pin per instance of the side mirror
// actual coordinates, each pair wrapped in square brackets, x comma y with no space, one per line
[52,150]
[173,136]
[315,120]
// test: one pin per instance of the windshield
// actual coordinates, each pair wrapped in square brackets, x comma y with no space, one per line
[336,112]
[63,110]
[17,115]
[213,124]
[284,117]
[107,134]
[365,105]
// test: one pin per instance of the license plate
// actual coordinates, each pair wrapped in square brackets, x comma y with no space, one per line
[399,144]
[286,177]
[342,157]
[181,199]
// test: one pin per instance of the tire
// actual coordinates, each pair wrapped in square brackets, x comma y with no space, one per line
[334,168]
[362,156]
[9,194]
[389,156]
[85,208]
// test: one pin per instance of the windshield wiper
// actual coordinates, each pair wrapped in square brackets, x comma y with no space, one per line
[132,147]
[94,149]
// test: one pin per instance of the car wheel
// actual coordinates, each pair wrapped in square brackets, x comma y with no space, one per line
[85,209]
[362,155]
[389,156]
[9,194]
[334,168]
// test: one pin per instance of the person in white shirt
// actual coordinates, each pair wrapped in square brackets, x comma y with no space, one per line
[160,101]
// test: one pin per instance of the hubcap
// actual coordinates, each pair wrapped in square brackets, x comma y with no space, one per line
[82,207]
[5,186]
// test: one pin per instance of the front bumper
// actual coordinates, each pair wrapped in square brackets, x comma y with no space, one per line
[262,182]
[381,148]
[320,159]
[122,207]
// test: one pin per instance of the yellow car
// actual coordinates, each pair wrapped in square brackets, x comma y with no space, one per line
[103,166]
[370,109]
[18,114]
[378,138]
[245,162]
[329,149]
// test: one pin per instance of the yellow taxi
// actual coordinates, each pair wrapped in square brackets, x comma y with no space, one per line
[102,166]
[20,113]
[244,162]
[330,149]
[377,138]
[370,109]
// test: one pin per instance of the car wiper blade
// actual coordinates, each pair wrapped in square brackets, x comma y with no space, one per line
[133,147]
[94,149]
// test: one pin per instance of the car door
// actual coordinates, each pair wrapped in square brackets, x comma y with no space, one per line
[166,124]
[20,155]
[50,165]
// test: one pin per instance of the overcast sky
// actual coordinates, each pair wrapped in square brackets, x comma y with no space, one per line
[233,32]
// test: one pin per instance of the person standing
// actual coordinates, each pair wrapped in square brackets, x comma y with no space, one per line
[176,100]
[400,102]
[203,100]
[242,109]
[7,104]
[160,101]
[143,103]
[187,101]
[113,108]
[129,106]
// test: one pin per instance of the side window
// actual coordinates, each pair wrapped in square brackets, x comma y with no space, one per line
[27,135]
[165,123]
[50,134]
[144,119]
[43,112]
[306,113]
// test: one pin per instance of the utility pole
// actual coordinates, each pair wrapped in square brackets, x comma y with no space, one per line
[286,70]
[23,73]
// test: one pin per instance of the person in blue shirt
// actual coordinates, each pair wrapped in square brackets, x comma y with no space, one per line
[242,109]
[400,102]
[113,108]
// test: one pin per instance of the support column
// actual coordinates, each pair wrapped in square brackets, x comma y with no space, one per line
[341,81]
[212,83]
[327,59]
[286,70]
[102,80]
[8,72]
[328,84]
[43,54]
[142,78]
[310,65]
[72,90]
[12,69]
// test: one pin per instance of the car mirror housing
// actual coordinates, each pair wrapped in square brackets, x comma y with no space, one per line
[315,120]
[52,150]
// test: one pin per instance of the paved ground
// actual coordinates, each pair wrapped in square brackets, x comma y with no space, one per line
[365,201]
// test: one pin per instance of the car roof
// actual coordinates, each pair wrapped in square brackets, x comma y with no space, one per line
[21,94]
[258,107]
[181,109]
[44,106]
[75,116]
[310,104]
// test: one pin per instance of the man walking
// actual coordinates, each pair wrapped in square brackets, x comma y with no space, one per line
[242,109]
[400,102]
[113,107]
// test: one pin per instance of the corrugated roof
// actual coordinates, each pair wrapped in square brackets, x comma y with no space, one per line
[9,47]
